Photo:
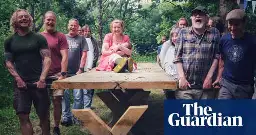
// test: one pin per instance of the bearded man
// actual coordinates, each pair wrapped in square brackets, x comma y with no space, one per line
[196,57]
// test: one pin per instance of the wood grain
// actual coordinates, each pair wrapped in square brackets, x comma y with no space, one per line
[148,76]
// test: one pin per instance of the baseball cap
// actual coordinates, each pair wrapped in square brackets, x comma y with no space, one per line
[200,8]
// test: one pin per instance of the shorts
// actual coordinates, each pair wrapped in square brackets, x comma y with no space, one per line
[23,99]
[53,92]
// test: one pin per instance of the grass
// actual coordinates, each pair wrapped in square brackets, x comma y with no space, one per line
[152,119]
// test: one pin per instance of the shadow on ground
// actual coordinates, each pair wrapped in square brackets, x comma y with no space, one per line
[152,121]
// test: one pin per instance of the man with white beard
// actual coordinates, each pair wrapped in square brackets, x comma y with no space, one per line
[196,57]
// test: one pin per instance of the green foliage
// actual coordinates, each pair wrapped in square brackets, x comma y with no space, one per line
[9,124]
[144,23]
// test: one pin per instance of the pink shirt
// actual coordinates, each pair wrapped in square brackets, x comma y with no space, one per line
[109,39]
[56,42]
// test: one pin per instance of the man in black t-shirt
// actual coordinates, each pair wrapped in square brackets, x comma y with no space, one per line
[238,54]
[27,58]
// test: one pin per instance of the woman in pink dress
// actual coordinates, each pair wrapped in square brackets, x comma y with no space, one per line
[116,49]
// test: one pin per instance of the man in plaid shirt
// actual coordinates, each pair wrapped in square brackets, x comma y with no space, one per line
[196,57]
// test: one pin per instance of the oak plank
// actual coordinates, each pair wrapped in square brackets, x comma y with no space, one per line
[128,119]
[148,76]
[92,122]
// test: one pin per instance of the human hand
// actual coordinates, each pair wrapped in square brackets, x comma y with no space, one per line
[216,83]
[40,84]
[79,72]
[183,83]
[61,77]
[20,83]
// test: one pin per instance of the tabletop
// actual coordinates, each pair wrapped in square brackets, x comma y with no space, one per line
[147,76]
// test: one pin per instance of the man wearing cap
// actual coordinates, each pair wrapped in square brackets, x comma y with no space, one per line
[196,57]
[237,48]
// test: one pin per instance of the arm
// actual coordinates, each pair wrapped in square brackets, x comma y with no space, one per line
[8,55]
[183,83]
[106,50]
[208,79]
[46,56]
[220,71]
[10,67]
[82,62]
[64,62]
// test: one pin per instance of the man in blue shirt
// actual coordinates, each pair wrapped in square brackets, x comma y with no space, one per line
[236,70]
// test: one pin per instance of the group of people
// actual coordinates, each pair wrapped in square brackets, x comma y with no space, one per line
[197,56]
[35,60]
[208,64]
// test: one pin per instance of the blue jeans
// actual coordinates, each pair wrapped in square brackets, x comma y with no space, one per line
[82,99]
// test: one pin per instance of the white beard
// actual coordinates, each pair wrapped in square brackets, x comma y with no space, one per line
[198,25]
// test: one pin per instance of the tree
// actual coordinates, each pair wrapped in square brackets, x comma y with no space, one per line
[37,8]
[225,7]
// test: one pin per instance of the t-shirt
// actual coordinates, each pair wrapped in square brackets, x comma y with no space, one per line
[56,42]
[76,46]
[26,54]
[239,58]
[90,54]
[169,66]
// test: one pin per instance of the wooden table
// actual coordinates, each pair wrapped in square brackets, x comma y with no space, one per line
[126,98]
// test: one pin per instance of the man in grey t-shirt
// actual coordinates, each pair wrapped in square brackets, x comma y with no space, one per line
[77,54]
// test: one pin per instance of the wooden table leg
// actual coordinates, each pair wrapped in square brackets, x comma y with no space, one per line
[118,101]
[92,122]
[128,119]
[98,127]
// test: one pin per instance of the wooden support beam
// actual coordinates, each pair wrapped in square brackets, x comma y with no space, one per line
[92,122]
[128,119]
[116,107]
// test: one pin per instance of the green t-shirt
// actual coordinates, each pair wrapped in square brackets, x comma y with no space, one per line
[26,55]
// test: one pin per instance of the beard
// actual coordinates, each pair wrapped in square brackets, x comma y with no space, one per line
[198,25]
[23,27]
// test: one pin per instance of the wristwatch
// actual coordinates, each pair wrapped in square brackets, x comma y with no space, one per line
[63,73]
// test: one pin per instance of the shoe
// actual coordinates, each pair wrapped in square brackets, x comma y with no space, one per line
[56,131]
[119,67]
[66,123]
[130,64]
[76,121]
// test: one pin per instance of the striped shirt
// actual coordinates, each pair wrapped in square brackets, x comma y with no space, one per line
[196,53]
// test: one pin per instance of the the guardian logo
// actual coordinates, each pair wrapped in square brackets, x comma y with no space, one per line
[203,116]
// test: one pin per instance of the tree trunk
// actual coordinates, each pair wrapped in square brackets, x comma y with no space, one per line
[225,7]
[100,28]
